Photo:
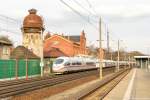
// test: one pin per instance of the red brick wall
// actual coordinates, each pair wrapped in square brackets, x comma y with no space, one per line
[65,45]
[58,42]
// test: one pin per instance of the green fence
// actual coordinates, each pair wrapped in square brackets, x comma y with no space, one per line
[19,68]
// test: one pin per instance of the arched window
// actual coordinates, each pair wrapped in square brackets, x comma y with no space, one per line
[31,36]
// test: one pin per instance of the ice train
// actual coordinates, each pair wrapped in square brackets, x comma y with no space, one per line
[78,63]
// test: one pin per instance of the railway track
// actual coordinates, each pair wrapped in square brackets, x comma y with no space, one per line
[38,78]
[107,85]
[11,88]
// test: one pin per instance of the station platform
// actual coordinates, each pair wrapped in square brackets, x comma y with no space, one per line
[135,86]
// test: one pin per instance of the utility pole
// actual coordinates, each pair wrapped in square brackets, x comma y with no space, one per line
[107,40]
[148,59]
[125,59]
[108,49]
[129,62]
[118,55]
[41,63]
[111,55]
[148,64]
[100,49]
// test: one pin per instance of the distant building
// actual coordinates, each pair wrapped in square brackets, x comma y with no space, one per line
[20,52]
[5,48]
[32,29]
[143,61]
[55,45]
[59,45]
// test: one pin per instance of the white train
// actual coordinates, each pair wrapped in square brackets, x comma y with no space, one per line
[68,64]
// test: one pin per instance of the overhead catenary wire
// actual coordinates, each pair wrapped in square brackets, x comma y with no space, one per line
[94,15]
[83,17]
[90,6]
[7,30]
[9,22]
[91,16]
[78,13]
[88,11]
[84,8]
[10,19]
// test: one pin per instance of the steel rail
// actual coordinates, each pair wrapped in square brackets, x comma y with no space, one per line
[115,79]
[20,81]
[23,86]
[29,86]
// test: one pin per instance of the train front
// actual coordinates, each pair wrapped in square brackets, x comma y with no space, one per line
[58,65]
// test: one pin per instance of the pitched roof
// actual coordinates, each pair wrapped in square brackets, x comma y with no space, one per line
[21,52]
[56,35]
[74,38]
[54,52]
[5,40]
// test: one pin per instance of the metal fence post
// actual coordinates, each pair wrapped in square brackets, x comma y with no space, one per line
[26,69]
[16,69]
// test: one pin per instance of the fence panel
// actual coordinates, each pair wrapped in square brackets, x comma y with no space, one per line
[34,67]
[3,69]
[11,68]
[7,68]
[21,68]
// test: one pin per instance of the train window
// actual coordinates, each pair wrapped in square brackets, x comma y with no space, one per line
[79,63]
[90,63]
[67,64]
[59,61]
[74,63]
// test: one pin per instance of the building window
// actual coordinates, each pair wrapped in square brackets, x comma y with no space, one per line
[26,36]
[31,36]
[37,36]
[5,50]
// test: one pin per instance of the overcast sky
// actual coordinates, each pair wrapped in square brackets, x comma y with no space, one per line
[127,20]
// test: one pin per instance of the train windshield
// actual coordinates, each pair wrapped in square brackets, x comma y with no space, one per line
[59,61]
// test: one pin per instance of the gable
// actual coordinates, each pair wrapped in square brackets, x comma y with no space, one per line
[56,42]
[58,37]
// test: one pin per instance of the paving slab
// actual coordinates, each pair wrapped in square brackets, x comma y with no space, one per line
[135,86]
[141,86]
[118,92]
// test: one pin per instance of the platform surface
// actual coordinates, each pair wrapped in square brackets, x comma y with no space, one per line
[135,86]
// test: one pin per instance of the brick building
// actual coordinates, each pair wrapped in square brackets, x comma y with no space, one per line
[55,45]
[6,47]
[59,45]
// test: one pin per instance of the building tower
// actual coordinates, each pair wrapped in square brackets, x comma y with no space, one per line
[82,43]
[32,30]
